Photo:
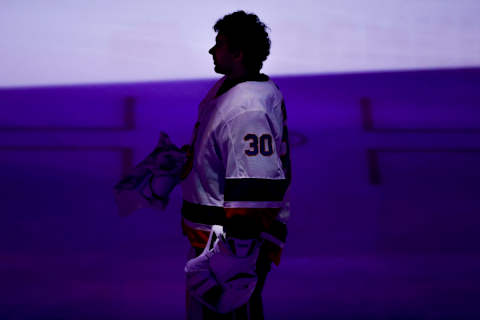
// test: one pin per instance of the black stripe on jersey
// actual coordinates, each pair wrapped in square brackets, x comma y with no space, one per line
[254,189]
[198,213]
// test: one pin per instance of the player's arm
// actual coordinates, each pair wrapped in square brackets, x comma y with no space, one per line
[255,182]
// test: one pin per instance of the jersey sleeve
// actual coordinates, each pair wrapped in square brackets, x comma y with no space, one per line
[250,147]
[255,178]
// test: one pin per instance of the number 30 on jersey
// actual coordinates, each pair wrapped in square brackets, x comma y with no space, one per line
[262,145]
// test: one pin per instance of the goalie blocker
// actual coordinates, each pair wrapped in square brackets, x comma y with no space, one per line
[223,276]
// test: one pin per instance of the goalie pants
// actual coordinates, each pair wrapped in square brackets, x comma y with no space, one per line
[253,310]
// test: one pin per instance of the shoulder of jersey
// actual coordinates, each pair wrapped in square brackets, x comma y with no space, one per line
[213,90]
[249,96]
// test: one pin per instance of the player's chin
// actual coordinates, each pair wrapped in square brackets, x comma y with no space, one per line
[219,70]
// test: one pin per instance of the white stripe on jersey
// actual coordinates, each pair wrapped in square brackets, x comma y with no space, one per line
[254,204]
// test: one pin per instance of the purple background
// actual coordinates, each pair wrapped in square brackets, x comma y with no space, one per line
[385,199]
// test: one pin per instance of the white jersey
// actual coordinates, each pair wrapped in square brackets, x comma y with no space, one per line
[240,156]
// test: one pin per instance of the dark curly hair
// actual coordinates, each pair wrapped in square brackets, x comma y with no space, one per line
[245,32]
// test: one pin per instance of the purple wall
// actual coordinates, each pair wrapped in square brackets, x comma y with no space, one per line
[385,199]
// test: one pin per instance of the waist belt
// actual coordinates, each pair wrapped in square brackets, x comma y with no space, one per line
[203,214]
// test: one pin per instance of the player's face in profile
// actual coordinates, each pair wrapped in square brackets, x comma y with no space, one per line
[222,57]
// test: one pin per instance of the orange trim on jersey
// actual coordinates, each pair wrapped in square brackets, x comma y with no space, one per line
[260,216]
[197,238]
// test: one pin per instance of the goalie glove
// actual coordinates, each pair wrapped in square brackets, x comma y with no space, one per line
[151,181]
[223,277]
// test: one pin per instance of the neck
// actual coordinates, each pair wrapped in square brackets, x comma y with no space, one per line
[242,76]
[241,73]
